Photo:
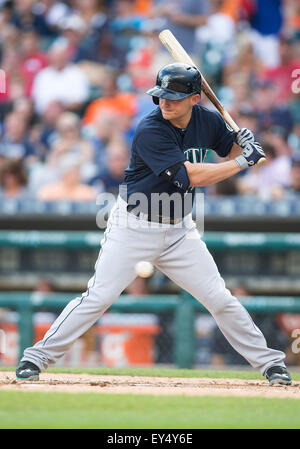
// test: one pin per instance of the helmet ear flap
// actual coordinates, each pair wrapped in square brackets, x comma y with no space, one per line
[155,100]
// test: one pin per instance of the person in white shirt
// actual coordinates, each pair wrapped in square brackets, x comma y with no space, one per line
[61,81]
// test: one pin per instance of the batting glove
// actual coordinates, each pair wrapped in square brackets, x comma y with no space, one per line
[243,136]
[252,153]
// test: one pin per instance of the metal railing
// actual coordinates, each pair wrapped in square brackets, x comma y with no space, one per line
[183,307]
[216,240]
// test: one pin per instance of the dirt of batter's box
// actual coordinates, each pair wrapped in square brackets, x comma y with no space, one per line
[84,383]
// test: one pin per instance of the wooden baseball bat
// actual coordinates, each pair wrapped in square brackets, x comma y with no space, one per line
[168,39]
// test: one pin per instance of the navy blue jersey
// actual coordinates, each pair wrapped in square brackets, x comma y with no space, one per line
[158,145]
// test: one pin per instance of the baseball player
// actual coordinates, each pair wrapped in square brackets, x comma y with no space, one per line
[167,161]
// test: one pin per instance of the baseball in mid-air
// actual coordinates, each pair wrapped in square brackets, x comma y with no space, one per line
[144,269]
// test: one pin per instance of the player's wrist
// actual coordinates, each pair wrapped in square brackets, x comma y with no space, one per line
[241,162]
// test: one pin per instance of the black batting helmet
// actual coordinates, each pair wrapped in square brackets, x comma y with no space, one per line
[176,81]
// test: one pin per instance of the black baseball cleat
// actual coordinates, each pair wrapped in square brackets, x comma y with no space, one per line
[278,375]
[27,371]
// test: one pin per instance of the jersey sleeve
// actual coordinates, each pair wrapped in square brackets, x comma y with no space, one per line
[158,149]
[223,137]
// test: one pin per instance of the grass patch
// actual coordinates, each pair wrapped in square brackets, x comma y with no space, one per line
[35,410]
[161,372]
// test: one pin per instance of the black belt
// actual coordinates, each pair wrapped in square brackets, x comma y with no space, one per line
[155,219]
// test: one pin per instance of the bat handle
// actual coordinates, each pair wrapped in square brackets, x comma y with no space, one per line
[261,161]
[228,119]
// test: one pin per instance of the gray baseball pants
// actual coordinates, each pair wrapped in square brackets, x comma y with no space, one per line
[179,253]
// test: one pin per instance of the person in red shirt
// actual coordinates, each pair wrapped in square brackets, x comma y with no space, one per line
[33,59]
[281,76]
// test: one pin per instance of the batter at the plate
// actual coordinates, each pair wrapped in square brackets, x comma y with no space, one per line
[166,162]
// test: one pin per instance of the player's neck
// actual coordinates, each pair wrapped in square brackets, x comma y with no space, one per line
[181,122]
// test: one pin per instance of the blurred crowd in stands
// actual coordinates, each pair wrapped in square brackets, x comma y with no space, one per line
[74,75]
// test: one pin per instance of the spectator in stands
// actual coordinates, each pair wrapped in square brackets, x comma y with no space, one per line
[13,180]
[295,174]
[281,76]
[97,41]
[70,141]
[215,39]
[45,134]
[182,17]
[9,37]
[48,123]
[268,181]
[239,75]
[140,68]
[25,15]
[294,138]
[245,63]
[104,131]
[14,143]
[278,137]
[269,112]
[6,9]
[53,12]
[266,25]
[122,104]
[239,93]
[14,84]
[7,30]
[247,118]
[73,30]
[125,24]
[292,16]
[69,186]
[24,107]
[294,104]
[116,161]
[60,81]
[32,58]
[92,12]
